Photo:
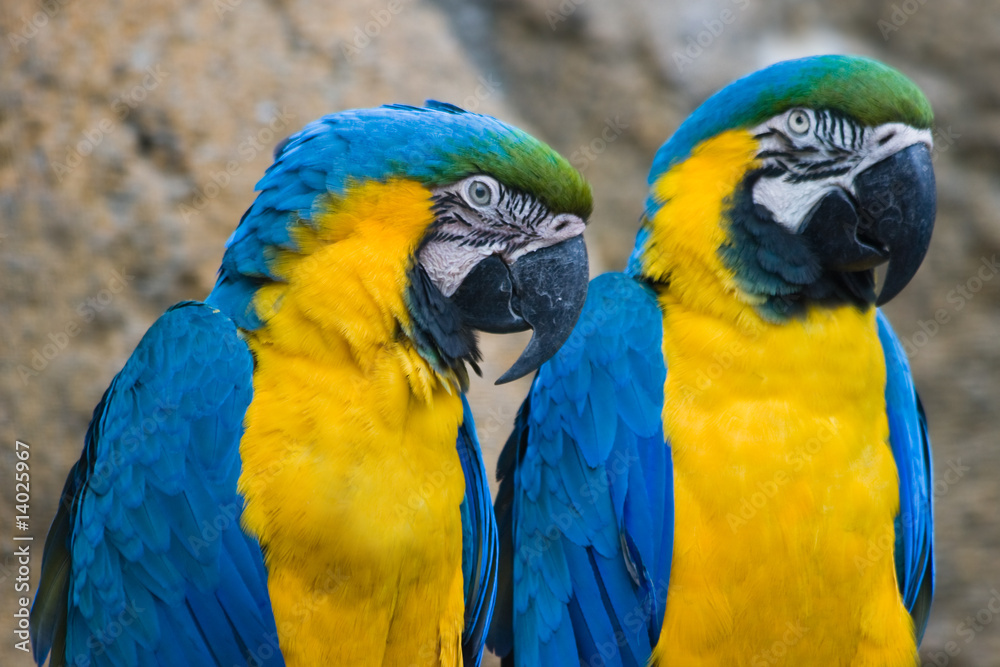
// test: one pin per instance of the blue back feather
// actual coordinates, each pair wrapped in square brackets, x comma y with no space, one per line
[146,563]
[585,508]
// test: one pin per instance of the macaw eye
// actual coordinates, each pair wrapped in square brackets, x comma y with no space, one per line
[798,122]
[479,193]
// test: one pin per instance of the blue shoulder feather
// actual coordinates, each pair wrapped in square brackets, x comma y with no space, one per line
[146,563]
[479,542]
[914,549]
[585,507]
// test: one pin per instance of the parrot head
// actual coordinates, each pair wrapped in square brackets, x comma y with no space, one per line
[491,222]
[821,171]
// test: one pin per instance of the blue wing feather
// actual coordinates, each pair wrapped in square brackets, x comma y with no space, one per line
[146,563]
[585,507]
[479,542]
[908,438]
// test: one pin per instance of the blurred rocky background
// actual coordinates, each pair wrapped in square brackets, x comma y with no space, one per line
[131,135]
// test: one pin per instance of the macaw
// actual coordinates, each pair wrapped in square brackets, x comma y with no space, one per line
[288,473]
[727,462]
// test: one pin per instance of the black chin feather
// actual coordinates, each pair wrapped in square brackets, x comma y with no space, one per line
[779,265]
[437,329]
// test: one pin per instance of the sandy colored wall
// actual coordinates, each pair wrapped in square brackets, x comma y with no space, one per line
[131,135]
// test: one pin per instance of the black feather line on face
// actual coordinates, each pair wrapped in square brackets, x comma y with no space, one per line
[838,132]
[447,201]
[775,154]
[511,224]
[817,175]
[821,164]
[834,142]
[772,262]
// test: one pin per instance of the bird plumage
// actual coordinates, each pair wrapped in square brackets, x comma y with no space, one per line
[777,501]
[289,472]
[147,563]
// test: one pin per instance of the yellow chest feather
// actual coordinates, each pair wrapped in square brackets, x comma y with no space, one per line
[350,474]
[783,482]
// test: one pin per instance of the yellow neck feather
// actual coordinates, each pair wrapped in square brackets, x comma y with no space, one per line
[342,298]
[350,475]
[686,233]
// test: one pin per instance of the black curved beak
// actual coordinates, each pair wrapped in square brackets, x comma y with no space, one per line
[889,218]
[543,291]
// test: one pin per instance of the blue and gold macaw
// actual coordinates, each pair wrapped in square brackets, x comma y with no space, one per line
[727,463]
[273,477]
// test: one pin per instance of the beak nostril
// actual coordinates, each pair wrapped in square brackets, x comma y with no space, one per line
[887,138]
[565,223]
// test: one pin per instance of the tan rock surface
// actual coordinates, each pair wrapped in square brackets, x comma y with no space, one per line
[114,118]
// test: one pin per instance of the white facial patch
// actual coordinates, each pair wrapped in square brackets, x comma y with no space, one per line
[478,217]
[812,153]
[448,263]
